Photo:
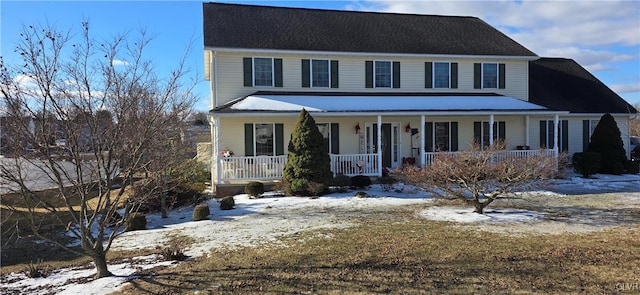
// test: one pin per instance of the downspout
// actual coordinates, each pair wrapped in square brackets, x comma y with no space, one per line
[526,130]
[556,127]
[216,150]
[215,78]
[379,144]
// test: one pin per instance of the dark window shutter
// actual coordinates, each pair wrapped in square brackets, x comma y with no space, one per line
[248,139]
[428,75]
[477,75]
[277,65]
[501,76]
[477,132]
[564,141]
[428,136]
[454,136]
[247,67]
[543,134]
[306,73]
[335,138]
[279,134]
[454,75]
[585,134]
[334,74]
[502,130]
[368,73]
[396,74]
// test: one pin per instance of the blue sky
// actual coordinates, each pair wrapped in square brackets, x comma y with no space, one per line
[603,36]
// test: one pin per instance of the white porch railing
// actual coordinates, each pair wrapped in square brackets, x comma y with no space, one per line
[354,164]
[250,168]
[499,156]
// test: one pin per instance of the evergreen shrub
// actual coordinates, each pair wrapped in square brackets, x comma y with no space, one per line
[201,212]
[586,163]
[227,203]
[136,221]
[360,181]
[254,189]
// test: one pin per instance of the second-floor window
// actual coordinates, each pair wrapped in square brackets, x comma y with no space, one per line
[262,72]
[441,75]
[489,76]
[382,74]
[320,73]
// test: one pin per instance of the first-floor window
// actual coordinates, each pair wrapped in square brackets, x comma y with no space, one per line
[264,139]
[441,136]
[325,130]
[481,132]
[588,126]
[547,134]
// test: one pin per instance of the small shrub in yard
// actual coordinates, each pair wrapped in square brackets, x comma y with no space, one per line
[360,181]
[173,253]
[37,270]
[361,195]
[254,189]
[316,189]
[136,221]
[201,212]
[586,163]
[227,203]
[341,181]
[297,187]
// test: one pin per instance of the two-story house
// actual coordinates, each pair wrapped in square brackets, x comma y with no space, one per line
[385,89]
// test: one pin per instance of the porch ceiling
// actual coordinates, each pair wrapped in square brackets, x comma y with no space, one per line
[379,103]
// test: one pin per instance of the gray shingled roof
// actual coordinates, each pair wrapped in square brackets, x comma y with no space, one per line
[562,84]
[264,27]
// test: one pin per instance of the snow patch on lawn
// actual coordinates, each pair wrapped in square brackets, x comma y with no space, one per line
[466,215]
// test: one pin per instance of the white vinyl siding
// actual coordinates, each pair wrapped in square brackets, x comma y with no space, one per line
[352,77]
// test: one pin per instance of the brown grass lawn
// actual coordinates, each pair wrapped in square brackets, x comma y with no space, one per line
[400,254]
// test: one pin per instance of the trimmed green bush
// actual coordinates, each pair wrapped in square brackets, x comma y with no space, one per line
[341,181]
[227,203]
[307,158]
[136,221]
[201,212]
[607,141]
[586,163]
[254,189]
[360,181]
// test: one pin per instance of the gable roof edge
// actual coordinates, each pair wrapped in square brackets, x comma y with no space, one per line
[353,53]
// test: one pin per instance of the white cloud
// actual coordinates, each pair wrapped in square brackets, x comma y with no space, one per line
[626,88]
[117,62]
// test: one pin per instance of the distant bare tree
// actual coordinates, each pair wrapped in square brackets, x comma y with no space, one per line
[200,118]
[112,113]
[481,175]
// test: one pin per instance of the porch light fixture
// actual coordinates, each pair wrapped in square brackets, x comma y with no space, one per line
[357,127]
[407,128]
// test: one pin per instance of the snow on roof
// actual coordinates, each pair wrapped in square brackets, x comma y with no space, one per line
[378,103]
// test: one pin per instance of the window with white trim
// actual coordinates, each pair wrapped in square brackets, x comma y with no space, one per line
[382,73]
[481,132]
[441,75]
[264,143]
[320,73]
[263,71]
[325,130]
[489,75]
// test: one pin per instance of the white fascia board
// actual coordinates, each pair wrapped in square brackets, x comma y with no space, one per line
[376,54]
[207,65]
[630,115]
[412,113]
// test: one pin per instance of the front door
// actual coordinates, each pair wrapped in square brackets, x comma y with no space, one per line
[390,146]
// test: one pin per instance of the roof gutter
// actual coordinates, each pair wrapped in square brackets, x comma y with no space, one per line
[377,54]
[394,113]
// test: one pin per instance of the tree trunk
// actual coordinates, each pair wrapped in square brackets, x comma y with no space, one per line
[100,260]
[479,206]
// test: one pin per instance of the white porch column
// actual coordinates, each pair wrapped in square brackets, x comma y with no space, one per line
[379,145]
[422,162]
[556,121]
[526,130]
[491,130]
[216,148]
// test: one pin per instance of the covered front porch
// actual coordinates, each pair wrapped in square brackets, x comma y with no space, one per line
[364,137]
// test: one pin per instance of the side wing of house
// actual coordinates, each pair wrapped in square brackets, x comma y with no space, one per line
[562,84]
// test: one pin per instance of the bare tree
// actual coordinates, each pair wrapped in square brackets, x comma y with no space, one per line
[481,175]
[85,117]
